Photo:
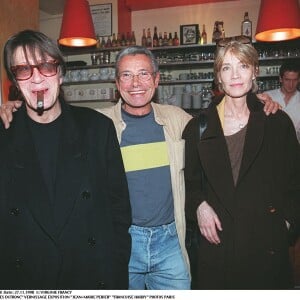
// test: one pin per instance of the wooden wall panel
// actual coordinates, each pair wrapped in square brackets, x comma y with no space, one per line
[15,15]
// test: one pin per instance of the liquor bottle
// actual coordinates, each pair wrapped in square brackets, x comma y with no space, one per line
[118,40]
[213,39]
[133,40]
[198,36]
[128,39]
[155,37]
[98,45]
[103,42]
[170,39]
[114,40]
[165,39]
[247,26]
[149,38]
[108,43]
[175,39]
[144,38]
[123,40]
[203,36]
[160,40]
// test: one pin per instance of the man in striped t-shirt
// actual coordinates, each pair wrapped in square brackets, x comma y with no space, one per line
[152,151]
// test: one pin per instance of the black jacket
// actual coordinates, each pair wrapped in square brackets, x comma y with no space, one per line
[91,249]
[253,253]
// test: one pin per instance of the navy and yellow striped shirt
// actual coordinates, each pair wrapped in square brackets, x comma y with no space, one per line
[145,155]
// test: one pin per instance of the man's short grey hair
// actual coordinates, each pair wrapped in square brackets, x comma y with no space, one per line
[134,50]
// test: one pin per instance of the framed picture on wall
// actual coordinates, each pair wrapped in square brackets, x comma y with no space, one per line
[189,34]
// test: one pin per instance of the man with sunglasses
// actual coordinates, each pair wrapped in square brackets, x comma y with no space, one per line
[64,202]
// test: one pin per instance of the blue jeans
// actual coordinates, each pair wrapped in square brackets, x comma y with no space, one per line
[156,261]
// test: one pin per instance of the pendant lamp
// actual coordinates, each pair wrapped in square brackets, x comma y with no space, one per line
[278,20]
[77,28]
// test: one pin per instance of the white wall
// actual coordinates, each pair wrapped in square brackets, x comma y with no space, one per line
[169,19]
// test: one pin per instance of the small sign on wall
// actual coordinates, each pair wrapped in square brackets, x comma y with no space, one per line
[102,19]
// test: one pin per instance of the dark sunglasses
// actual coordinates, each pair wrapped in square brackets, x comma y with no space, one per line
[239,38]
[24,72]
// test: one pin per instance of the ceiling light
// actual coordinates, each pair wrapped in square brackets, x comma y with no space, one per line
[77,29]
[278,20]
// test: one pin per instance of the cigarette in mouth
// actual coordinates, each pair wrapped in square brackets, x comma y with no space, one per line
[40,102]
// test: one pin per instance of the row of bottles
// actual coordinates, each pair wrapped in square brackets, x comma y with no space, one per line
[219,31]
[166,39]
[158,39]
[119,40]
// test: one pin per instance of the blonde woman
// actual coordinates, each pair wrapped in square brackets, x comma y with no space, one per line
[242,182]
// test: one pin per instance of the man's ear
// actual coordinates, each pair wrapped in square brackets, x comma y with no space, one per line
[156,79]
[117,84]
[61,76]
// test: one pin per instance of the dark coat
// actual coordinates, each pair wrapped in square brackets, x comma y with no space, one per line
[253,253]
[91,249]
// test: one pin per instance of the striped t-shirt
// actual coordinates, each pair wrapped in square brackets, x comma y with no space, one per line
[146,161]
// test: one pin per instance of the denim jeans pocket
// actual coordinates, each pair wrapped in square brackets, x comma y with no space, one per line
[171,228]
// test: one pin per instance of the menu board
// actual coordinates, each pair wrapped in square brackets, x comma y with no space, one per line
[102,19]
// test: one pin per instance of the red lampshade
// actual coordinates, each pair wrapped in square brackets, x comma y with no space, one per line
[278,20]
[77,28]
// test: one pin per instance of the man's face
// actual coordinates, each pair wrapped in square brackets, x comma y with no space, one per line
[136,92]
[49,86]
[289,82]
